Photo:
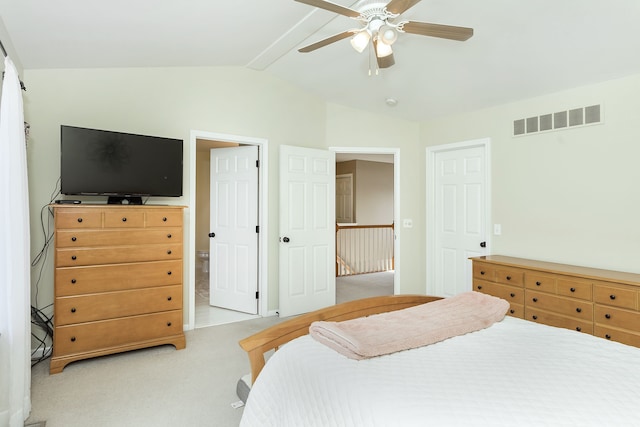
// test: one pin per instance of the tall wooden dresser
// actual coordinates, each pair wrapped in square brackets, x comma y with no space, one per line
[118,280]
[599,302]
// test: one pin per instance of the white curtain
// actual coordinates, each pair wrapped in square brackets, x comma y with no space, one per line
[15,282]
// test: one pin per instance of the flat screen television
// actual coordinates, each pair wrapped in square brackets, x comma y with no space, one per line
[123,166]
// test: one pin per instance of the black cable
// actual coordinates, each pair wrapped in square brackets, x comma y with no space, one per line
[38,317]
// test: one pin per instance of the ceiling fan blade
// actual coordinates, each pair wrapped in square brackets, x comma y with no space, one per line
[332,7]
[437,30]
[385,61]
[328,40]
[400,6]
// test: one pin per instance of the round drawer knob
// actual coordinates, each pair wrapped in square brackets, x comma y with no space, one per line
[612,296]
[479,287]
[579,310]
[168,323]
[508,277]
[579,329]
[73,239]
[572,289]
[73,281]
[512,311]
[124,219]
[535,300]
[73,339]
[79,219]
[608,316]
[169,252]
[73,309]
[607,336]
[535,317]
[512,295]
[169,298]
[164,219]
[169,236]
[538,283]
[168,273]
[73,257]
[482,273]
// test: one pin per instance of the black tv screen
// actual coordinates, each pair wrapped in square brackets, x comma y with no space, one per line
[120,165]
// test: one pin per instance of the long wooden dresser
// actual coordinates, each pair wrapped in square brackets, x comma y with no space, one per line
[118,280]
[599,302]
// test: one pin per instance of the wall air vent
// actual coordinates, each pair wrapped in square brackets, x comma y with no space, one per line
[567,119]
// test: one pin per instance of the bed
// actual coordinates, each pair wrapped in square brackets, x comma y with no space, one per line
[514,372]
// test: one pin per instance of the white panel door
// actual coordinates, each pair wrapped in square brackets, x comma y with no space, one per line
[307,230]
[459,217]
[344,198]
[233,243]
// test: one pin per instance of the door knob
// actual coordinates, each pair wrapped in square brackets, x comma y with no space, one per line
[285,239]
[212,234]
[483,244]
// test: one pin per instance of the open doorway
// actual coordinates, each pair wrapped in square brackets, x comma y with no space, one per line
[201,313]
[373,204]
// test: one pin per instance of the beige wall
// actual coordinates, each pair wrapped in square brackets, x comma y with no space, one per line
[567,196]
[203,199]
[172,102]
[374,192]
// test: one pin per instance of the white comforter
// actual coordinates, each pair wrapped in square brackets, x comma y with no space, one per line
[515,373]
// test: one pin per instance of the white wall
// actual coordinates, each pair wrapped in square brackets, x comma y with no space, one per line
[171,102]
[348,127]
[567,196]
[165,102]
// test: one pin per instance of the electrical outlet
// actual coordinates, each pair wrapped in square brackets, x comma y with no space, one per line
[407,223]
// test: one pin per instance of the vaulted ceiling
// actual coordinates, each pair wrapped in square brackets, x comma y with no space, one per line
[520,48]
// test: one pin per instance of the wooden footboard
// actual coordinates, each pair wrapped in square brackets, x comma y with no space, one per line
[271,338]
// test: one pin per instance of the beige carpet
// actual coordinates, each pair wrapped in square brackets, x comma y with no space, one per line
[151,387]
[349,288]
[161,386]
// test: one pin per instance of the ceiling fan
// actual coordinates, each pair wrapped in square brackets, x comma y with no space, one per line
[378,27]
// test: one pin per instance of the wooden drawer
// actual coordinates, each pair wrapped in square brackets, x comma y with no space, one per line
[510,276]
[94,336]
[80,238]
[616,317]
[622,336]
[509,293]
[557,320]
[164,218]
[77,218]
[604,293]
[516,310]
[575,288]
[104,278]
[540,282]
[565,306]
[68,257]
[123,218]
[484,271]
[89,307]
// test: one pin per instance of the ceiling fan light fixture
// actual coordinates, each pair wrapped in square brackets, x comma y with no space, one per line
[387,34]
[361,40]
[383,49]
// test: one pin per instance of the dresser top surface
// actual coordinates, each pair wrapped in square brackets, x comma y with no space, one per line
[557,268]
[106,206]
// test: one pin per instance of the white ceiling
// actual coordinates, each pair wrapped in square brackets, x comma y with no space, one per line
[520,48]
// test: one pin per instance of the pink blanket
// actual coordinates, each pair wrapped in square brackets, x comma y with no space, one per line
[411,327]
